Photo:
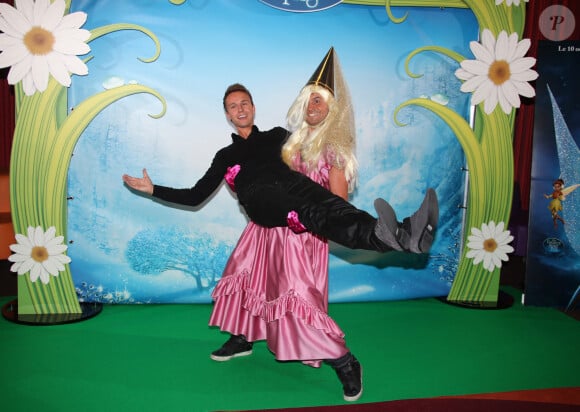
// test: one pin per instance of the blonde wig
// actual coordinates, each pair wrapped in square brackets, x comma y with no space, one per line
[333,138]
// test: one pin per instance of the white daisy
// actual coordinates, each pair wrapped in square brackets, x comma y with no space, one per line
[40,253]
[509,2]
[38,40]
[490,245]
[501,72]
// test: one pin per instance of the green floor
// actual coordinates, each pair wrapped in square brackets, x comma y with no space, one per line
[155,358]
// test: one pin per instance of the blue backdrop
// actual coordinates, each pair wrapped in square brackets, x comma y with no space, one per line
[129,249]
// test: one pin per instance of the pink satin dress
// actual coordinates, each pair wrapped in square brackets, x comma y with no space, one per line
[275,287]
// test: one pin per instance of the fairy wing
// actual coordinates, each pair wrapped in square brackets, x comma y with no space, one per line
[567,190]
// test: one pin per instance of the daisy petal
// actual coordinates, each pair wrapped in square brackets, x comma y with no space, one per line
[472,253]
[28,84]
[80,35]
[13,55]
[36,235]
[487,262]
[53,15]
[476,83]
[57,249]
[476,232]
[49,234]
[21,249]
[15,266]
[75,65]
[7,30]
[7,41]
[491,101]
[525,89]
[19,70]
[50,267]
[478,258]
[475,245]
[476,67]
[528,75]
[507,249]
[522,64]
[74,21]
[512,47]
[508,96]
[487,40]
[40,73]
[35,272]
[522,48]
[502,46]
[26,8]
[502,236]
[64,259]
[18,257]
[463,74]
[483,54]
[58,69]
[23,240]
[26,266]
[40,7]
[484,91]
[54,240]
[495,262]
[70,45]
[502,255]
[17,23]
[44,278]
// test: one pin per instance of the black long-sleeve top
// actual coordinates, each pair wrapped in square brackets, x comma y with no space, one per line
[259,157]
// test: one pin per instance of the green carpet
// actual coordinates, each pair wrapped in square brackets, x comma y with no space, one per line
[156,358]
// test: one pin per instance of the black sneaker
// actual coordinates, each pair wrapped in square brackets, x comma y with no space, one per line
[236,346]
[350,376]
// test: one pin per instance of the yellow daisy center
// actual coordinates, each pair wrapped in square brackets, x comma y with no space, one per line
[489,245]
[39,253]
[499,72]
[39,41]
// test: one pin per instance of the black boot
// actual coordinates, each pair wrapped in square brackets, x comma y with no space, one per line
[235,346]
[349,372]
[387,229]
[418,231]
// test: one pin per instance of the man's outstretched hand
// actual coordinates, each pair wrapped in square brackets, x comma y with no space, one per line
[142,184]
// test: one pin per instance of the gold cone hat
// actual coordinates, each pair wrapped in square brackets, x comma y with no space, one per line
[324,74]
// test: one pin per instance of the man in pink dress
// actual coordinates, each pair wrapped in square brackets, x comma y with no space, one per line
[275,284]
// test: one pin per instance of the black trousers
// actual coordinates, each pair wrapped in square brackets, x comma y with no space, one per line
[267,202]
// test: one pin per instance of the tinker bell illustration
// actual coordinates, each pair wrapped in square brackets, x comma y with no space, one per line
[558,196]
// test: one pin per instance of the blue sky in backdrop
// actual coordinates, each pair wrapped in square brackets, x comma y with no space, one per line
[207,45]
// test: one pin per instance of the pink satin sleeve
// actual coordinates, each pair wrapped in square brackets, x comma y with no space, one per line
[231,174]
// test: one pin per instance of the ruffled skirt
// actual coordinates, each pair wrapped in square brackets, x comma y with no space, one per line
[275,287]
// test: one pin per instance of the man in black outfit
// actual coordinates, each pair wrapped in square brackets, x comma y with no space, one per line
[270,192]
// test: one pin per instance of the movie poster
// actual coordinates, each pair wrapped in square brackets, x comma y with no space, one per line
[553,263]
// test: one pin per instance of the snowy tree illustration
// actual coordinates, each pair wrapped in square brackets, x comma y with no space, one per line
[153,251]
